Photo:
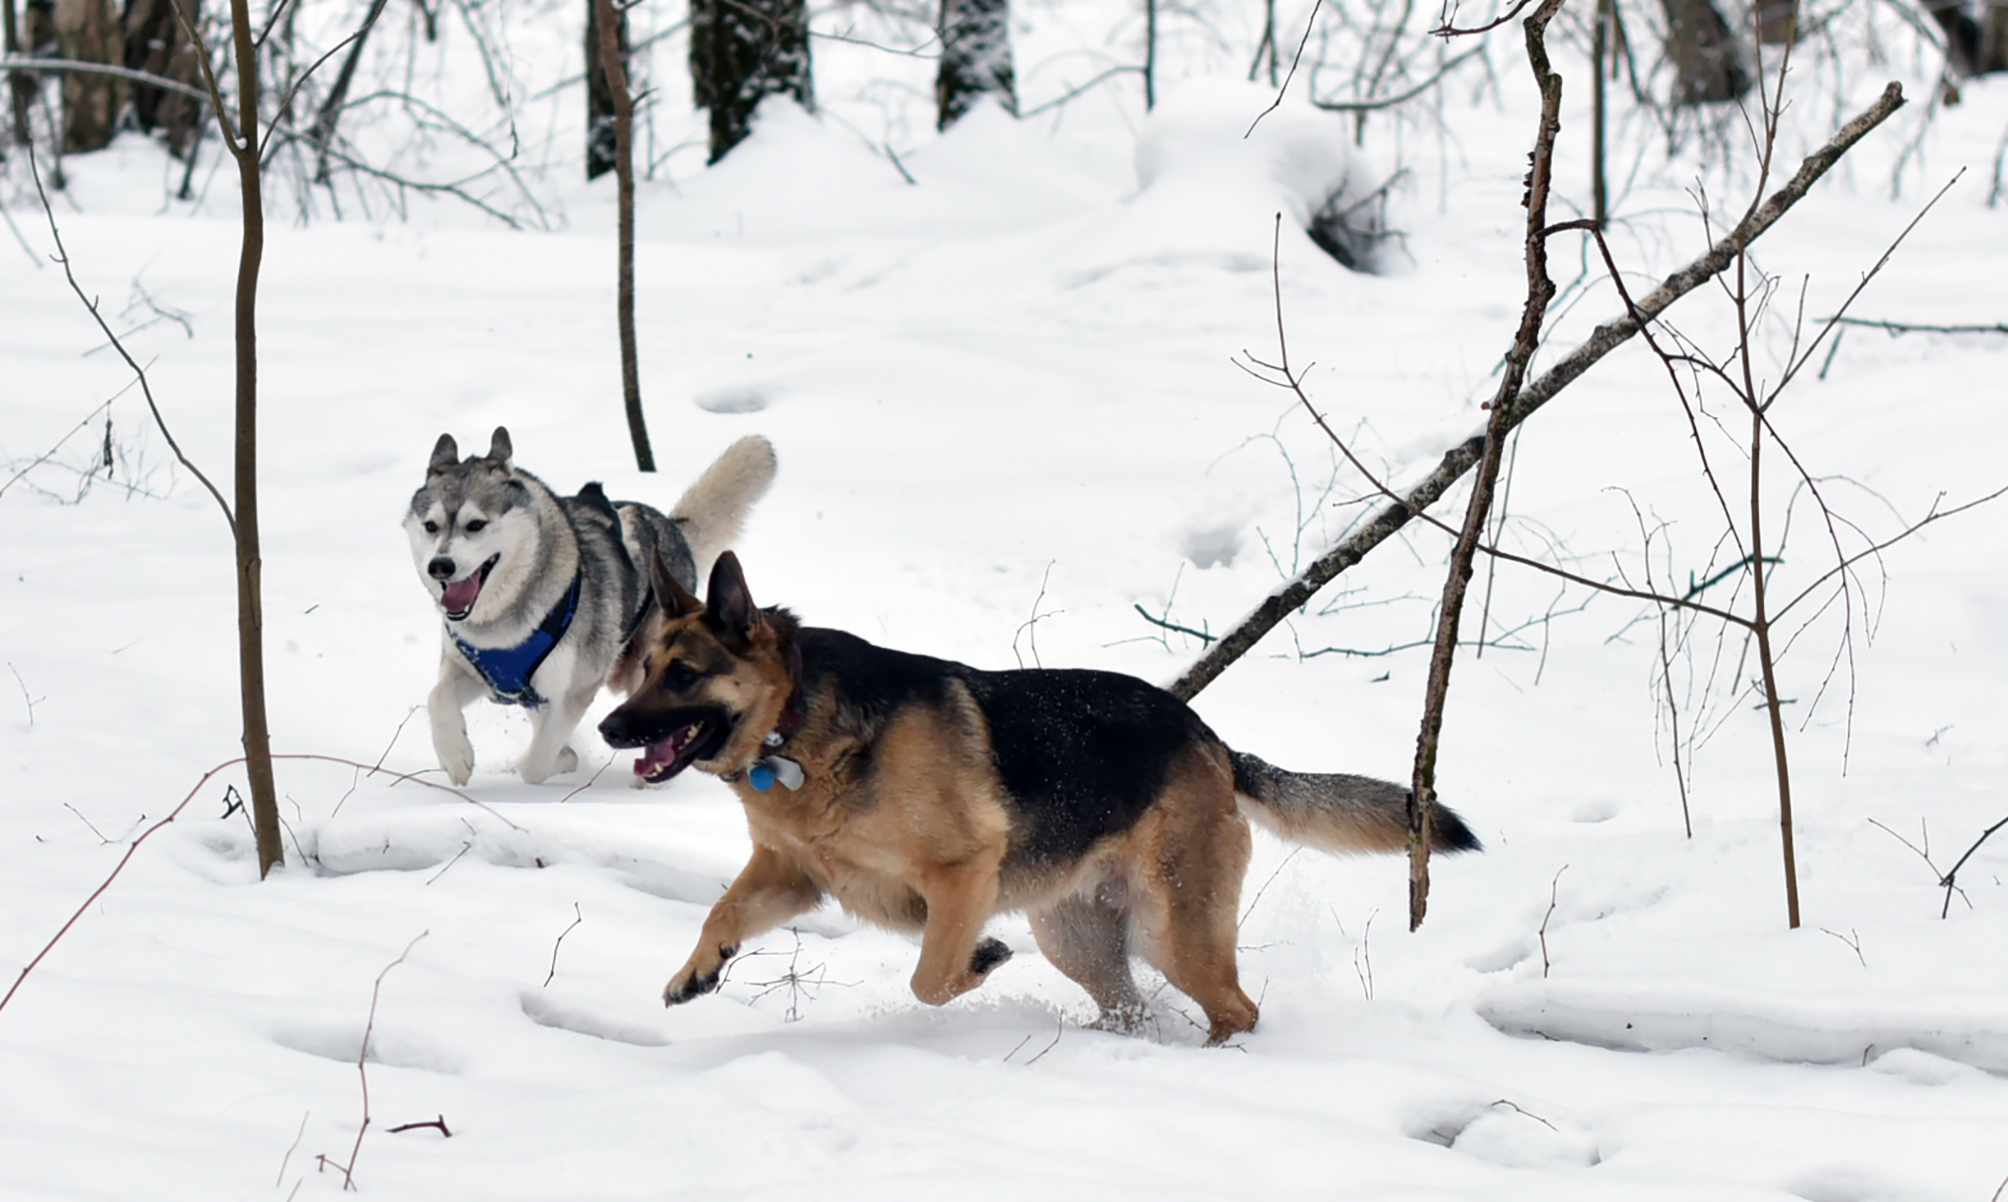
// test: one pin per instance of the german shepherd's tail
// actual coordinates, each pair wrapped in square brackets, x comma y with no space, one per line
[1338,812]
[714,508]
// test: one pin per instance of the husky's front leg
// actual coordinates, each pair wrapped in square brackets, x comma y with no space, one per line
[444,704]
[551,725]
[769,891]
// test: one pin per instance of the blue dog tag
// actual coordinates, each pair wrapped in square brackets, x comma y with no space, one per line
[764,773]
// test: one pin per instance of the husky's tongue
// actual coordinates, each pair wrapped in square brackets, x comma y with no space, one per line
[459,596]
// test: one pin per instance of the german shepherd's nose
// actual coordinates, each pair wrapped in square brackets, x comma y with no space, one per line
[441,568]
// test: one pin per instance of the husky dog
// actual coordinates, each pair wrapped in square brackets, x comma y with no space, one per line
[926,795]
[542,596]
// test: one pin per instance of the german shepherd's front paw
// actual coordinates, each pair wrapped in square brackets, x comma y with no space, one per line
[694,981]
[989,954]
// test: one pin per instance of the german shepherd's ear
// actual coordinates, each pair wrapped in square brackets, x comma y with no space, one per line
[727,599]
[675,599]
[499,450]
[445,454]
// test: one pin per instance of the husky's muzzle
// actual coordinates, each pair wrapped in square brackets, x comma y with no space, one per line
[457,597]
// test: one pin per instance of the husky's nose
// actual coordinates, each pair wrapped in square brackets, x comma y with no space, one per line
[440,568]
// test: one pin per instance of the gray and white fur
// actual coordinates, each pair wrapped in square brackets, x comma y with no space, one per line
[499,553]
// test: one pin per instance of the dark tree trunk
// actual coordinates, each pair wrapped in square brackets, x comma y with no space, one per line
[88,31]
[602,110]
[1707,63]
[155,44]
[975,58]
[1777,22]
[1972,47]
[741,52]
[20,84]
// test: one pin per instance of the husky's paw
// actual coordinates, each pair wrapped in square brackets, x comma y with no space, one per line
[456,756]
[568,761]
[692,982]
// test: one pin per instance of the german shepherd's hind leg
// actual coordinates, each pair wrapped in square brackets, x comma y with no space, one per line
[444,704]
[954,956]
[769,891]
[1186,888]
[1086,936]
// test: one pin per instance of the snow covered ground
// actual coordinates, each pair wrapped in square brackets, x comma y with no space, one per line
[1008,412]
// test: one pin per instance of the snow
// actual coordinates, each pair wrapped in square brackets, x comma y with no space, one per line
[1008,412]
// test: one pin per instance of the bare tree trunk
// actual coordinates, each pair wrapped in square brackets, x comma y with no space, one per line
[154,43]
[1707,63]
[322,133]
[975,58]
[88,31]
[612,62]
[1149,55]
[1540,290]
[602,106]
[250,564]
[741,52]
[21,85]
[1601,52]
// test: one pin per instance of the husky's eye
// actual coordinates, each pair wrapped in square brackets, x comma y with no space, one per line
[432,527]
[475,526]
[679,675]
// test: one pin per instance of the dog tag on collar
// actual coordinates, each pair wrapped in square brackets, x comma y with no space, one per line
[764,774]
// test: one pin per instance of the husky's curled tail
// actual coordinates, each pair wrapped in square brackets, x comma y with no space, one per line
[713,509]
[1338,812]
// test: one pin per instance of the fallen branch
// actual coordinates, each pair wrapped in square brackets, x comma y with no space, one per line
[1390,518]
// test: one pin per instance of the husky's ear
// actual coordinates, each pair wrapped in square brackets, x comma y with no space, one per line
[499,450]
[727,599]
[445,454]
[675,599]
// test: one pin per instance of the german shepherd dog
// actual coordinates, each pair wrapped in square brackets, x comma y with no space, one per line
[926,795]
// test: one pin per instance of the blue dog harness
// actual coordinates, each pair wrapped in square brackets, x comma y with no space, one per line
[508,669]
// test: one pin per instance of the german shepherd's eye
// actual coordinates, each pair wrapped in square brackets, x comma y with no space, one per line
[475,526]
[432,527]
[679,675]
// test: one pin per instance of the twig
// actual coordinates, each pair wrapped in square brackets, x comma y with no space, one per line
[1031,625]
[1242,921]
[373,768]
[362,1058]
[62,257]
[1059,1029]
[439,1123]
[1388,102]
[1952,876]
[464,849]
[1898,328]
[100,890]
[1854,943]
[579,917]
[288,1157]
[1201,635]
[1310,23]
[1554,892]
[590,782]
